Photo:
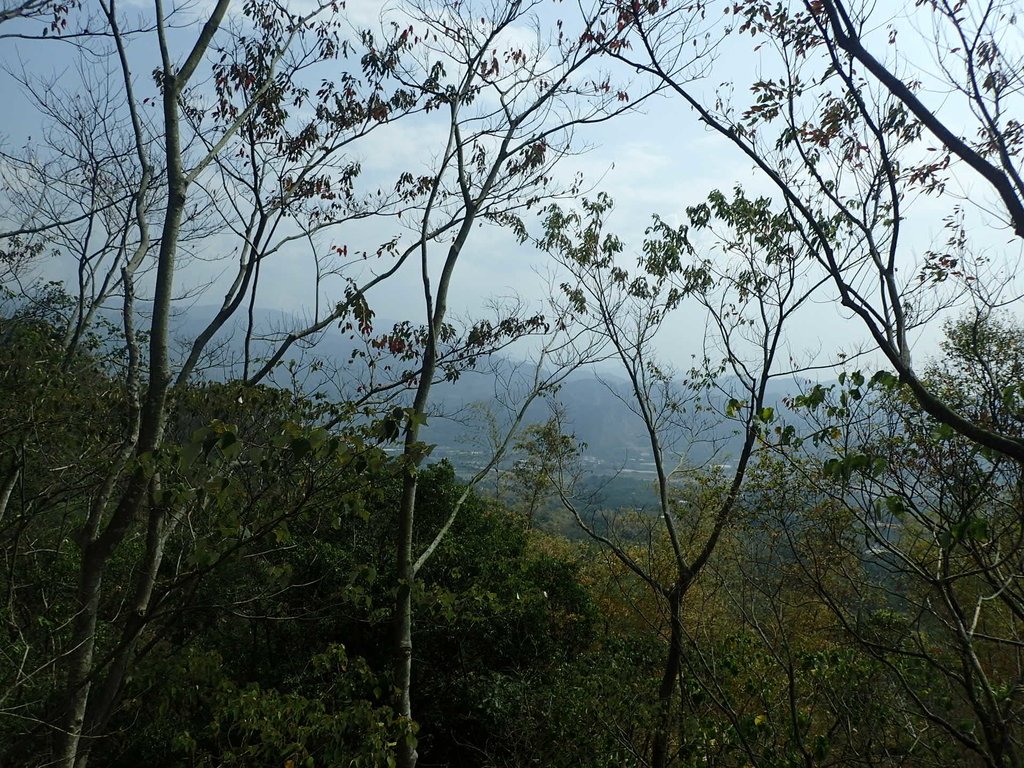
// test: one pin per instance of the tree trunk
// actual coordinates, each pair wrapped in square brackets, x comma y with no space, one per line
[669,680]
[80,661]
[102,704]
[407,754]
[8,487]
[99,547]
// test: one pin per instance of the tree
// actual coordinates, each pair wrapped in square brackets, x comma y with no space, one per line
[126,186]
[749,295]
[924,574]
[541,450]
[244,148]
[845,129]
[848,128]
[510,112]
[54,12]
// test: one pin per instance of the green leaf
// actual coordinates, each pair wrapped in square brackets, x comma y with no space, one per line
[189,453]
[885,380]
[300,447]
[230,445]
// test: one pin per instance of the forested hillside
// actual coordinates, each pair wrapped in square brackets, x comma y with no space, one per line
[737,483]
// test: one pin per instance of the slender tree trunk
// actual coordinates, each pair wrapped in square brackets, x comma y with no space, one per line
[437,308]
[407,754]
[102,703]
[80,665]
[669,681]
[96,553]
[9,484]
[99,547]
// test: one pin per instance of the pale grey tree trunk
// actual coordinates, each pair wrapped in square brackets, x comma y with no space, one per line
[99,545]
[9,484]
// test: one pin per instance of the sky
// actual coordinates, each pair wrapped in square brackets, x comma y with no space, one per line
[657,159]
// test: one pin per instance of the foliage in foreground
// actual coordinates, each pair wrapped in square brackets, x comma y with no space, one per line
[815,639]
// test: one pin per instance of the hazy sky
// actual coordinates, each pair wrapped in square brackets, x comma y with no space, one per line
[656,160]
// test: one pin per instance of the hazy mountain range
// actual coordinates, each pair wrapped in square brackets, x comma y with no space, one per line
[595,403]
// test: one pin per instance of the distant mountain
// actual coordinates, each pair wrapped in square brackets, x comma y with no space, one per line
[595,405]
[598,411]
